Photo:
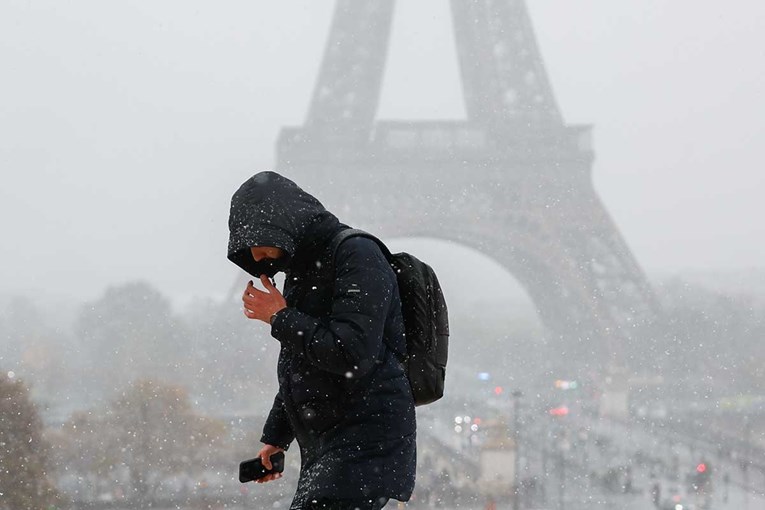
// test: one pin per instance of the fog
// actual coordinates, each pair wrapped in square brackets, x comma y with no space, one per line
[126,127]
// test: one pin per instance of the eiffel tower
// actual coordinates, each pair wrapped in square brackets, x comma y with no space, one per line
[512,181]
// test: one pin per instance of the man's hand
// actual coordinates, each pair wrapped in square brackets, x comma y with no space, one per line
[262,305]
[265,458]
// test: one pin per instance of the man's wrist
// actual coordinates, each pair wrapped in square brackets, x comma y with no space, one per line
[273,316]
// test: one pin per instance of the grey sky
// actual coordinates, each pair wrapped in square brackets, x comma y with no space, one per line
[125,126]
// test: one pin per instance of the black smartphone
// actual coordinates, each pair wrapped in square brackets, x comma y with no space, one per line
[253,469]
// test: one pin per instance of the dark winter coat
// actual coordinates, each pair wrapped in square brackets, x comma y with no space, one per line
[342,393]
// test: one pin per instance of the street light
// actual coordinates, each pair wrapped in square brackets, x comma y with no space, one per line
[516,438]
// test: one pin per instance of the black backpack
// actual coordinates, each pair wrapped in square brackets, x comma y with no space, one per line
[426,320]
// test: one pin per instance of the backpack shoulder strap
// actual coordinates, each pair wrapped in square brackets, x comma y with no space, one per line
[354,232]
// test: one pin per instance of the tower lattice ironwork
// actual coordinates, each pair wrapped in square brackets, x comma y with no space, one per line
[512,181]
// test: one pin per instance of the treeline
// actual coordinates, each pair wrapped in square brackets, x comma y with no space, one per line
[227,363]
[131,332]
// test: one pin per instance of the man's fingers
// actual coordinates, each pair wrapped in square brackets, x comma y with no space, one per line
[251,292]
[251,300]
[249,313]
[267,283]
[266,461]
[269,478]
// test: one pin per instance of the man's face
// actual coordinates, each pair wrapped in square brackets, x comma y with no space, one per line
[265,252]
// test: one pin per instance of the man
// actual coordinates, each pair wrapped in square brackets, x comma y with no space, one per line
[342,392]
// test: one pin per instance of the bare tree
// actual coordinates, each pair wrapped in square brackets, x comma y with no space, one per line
[24,467]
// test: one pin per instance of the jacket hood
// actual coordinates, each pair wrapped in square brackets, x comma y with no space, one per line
[271,210]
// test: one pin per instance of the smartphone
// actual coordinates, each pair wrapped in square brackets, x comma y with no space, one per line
[253,469]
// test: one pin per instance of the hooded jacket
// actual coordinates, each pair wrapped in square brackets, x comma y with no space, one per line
[342,393]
